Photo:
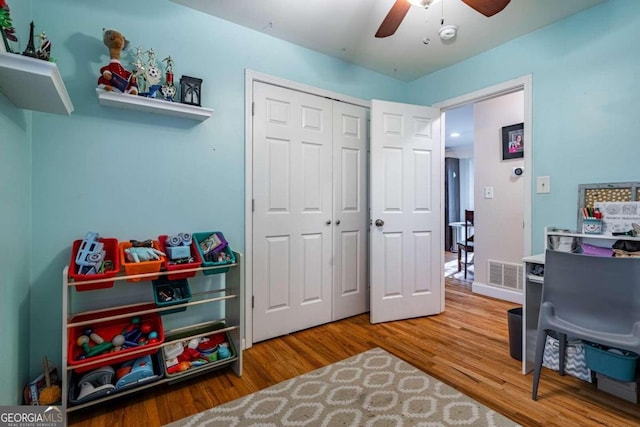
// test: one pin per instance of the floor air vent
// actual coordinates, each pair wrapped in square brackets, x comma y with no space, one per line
[505,275]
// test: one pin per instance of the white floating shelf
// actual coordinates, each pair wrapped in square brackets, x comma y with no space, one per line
[33,84]
[152,105]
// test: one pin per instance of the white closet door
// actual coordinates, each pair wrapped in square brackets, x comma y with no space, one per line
[350,240]
[292,211]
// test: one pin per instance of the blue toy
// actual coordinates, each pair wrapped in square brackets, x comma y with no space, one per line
[223,351]
[178,246]
[141,370]
[91,254]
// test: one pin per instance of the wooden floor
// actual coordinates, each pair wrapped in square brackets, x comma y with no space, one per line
[466,347]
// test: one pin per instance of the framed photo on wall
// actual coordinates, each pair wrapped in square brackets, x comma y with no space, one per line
[513,141]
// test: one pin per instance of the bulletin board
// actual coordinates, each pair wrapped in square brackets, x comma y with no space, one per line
[590,194]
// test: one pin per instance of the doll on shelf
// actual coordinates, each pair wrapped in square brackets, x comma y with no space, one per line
[114,76]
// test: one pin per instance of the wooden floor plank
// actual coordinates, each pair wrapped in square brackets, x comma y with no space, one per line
[467,347]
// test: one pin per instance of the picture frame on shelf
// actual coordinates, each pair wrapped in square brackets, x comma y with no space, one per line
[190,90]
[513,141]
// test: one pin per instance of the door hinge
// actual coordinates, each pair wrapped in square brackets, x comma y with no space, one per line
[253,108]
[253,205]
[253,301]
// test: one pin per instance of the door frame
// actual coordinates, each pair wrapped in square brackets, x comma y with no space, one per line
[525,84]
[251,77]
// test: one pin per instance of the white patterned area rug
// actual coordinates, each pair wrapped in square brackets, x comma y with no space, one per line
[373,389]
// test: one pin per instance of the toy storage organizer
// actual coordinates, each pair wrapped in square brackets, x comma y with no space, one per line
[109,321]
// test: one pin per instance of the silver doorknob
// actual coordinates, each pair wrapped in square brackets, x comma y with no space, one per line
[337,222]
[379,223]
[328,222]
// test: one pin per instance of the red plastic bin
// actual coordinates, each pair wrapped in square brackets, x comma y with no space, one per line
[111,249]
[107,330]
[195,253]
[142,267]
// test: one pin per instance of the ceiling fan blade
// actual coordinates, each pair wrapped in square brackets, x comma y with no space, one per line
[393,19]
[487,7]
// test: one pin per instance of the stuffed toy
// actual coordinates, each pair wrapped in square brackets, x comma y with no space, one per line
[114,76]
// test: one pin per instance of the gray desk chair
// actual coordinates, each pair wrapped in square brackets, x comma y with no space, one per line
[592,298]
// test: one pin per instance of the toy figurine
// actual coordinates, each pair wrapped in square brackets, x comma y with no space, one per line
[30,50]
[139,70]
[44,51]
[168,89]
[151,75]
[114,75]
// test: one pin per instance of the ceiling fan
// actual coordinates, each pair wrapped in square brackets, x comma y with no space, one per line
[400,8]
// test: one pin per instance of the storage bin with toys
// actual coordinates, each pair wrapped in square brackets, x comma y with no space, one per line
[171,292]
[94,258]
[204,350]
[141,257]
[214,250]
[94,343]
[115,378]
[181,254]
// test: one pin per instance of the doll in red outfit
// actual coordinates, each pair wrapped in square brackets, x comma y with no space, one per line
[114,76]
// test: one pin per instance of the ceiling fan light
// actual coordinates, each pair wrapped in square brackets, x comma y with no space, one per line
[448,32]
[422,3]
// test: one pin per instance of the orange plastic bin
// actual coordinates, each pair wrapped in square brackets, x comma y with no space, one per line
[142,267]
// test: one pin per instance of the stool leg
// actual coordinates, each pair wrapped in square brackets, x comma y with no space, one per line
[541,340]
[466,262]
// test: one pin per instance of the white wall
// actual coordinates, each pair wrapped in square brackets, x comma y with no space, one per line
[467,186]
[498,221]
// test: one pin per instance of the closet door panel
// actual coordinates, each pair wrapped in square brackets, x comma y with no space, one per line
[292,152]
[350,242]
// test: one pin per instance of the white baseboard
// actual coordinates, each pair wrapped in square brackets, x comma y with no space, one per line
[496,292]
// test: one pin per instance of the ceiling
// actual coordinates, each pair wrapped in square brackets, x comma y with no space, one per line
[460,121]
[345,28]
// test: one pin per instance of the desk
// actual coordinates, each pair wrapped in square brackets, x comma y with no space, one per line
[458,231]
[530,309]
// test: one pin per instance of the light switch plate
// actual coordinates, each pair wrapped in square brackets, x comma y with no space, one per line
[543,184]
[488,192]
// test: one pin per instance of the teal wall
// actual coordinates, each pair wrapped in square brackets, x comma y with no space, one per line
[134,175]
[15,224]
[15,212]
[586,99]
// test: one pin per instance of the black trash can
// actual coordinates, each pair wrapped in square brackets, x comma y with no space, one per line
[514,317]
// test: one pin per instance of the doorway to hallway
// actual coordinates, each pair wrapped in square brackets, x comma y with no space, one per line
[500,200]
